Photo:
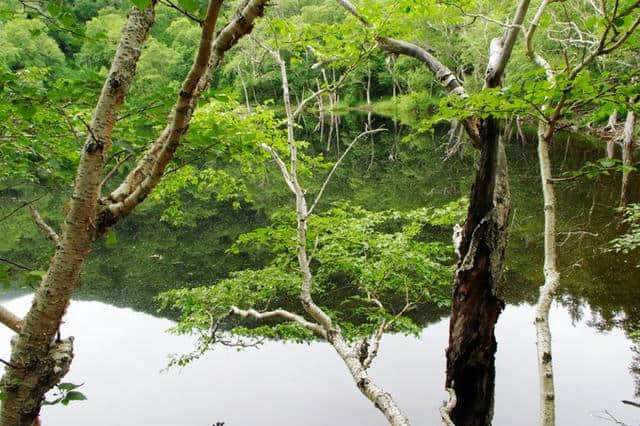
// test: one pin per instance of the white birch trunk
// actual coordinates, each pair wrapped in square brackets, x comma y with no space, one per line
[551,283]
[627,155]
[38,361]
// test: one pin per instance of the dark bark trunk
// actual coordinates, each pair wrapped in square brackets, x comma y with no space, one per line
[476,304]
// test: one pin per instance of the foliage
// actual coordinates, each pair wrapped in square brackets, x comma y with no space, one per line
[102,35]
[629,241]
[65,393]
[367,267]
[25,43]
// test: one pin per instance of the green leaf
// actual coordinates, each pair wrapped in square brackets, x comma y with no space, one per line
[189,5]
[111,239]
[69,386]
[33,278]
[141,4]
[73,396]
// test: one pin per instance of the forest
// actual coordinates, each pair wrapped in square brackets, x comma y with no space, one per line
[298,212]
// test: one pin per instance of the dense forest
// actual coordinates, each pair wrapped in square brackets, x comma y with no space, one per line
[330,173]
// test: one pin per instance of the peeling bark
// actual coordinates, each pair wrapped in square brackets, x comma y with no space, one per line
[37,361]
[476,303]
[147,173]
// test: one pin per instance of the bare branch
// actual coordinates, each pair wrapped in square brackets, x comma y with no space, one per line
[633,404]
[306,100]
[182,11]
[115,169]
[280,314]
[46,229]
[447,407]
[337,163]
[24,204]
[16,264]
[507,41]
[11,320]
[281,165]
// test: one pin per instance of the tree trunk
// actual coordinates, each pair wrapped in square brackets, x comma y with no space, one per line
[611,143]
[37,361]
[476,304]
[627,155]
[551,282]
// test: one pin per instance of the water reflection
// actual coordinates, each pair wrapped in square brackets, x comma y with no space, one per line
[120,352]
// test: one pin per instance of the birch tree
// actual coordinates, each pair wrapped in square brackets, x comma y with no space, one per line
[40,357]
[562,81]
[342,241]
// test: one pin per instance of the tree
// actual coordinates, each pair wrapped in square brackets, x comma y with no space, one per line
[347,242]
[564,85]
[481,242]
[40,358]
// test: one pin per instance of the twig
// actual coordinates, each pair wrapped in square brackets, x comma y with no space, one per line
[17,265]
[48,230]
[337,163]
[634,404]
[610,417]
[138,111]
[184,12]
[24,204]
[8,364]
[115,169]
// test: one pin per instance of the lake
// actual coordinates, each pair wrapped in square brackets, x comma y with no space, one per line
[122,344]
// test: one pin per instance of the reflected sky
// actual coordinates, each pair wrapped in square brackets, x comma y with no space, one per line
[120,352]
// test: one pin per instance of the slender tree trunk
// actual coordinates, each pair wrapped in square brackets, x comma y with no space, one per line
[324,325]
[611,143]
[38,361]
[627,155]
[551,283]
[476,304]
[244,89]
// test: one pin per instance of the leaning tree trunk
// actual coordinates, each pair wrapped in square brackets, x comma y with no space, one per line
[627,156]
[38,361]
[476,304]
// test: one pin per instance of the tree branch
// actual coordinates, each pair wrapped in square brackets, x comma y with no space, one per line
[24,204]
[16,264]
[280,314]
[281,166]
[150,168]
[182,11]
[447,408]
[337,163]
[46,229]
[11,320]
[115,169]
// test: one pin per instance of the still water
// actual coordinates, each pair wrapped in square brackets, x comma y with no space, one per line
[120,354]
[121,347]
